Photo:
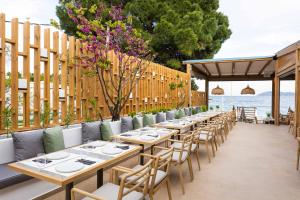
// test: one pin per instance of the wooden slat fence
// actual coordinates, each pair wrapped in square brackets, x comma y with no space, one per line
[52,77]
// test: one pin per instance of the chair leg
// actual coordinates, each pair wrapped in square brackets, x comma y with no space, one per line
[181,178]
[190,168]
[212,147]
[169,188]
[207,149]
[298,157]
[216,143]
[198,158]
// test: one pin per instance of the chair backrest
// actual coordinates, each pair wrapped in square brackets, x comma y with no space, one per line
[161,162]
[135,179]
[186,146]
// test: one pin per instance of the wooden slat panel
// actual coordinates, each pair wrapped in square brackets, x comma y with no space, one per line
[26,73]
[55,90]
[2,67]
[78,81]
[14,72]
[47,73]
[64,58]
[71,75]
[37,66]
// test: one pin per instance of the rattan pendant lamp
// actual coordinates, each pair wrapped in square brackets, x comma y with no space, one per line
[217,91]
[248,91]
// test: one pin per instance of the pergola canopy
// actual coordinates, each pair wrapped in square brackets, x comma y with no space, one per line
[234,69]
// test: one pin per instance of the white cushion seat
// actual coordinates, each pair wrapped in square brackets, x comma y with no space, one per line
[160,175]
[176,154]
[203,137]
[110,191]
[178,145]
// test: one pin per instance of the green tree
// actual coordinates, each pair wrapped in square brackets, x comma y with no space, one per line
[175,30]
[194,86]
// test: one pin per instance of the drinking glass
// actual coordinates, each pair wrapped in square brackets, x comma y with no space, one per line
[41,164]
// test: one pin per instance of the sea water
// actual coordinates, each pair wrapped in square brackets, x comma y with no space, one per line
[262,103]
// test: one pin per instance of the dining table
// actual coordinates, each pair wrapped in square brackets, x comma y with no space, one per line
[146,137]
[67,166]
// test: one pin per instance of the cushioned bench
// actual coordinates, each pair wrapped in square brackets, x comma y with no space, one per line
[9,177]
[12,182]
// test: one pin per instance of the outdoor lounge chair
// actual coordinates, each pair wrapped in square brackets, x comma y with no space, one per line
[127,189]
[159,172]
[182,155]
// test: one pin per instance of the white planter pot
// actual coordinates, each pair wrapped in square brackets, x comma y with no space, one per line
[22,84]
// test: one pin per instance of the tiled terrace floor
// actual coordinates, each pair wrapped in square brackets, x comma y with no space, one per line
[256,162]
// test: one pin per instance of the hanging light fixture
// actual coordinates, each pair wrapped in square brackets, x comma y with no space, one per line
[217,91]
[248,90]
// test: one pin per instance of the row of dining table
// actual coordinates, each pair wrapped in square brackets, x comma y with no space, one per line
[65,167]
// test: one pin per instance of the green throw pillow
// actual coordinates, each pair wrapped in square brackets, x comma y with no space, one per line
[106,131]
[148,120]
[53,139]
[136,123]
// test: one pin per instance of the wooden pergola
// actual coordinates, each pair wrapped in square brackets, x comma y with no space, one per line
[284,65]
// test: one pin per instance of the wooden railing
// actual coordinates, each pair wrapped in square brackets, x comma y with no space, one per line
[45,76]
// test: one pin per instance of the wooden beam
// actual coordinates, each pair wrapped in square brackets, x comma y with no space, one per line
[239,78]
[248,68]
[297,91]
[188,71]
[264,67]
[218,68]
[199,71]
[273,97]
[205,67]
[276,96]
[206,91]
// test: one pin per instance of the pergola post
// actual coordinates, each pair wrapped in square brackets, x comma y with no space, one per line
[297,89]
[273,98]
[189,72]
[276,95]
[206,91]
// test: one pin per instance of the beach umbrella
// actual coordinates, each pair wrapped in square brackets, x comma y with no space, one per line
[248,90]
[217,91]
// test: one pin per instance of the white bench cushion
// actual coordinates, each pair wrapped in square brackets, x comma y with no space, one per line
[7,151]
[72,136]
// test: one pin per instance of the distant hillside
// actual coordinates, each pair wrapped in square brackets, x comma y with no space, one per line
[269,93]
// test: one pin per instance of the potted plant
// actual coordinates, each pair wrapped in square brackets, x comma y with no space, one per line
[268,115]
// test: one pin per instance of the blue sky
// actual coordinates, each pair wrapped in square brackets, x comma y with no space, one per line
[260,27]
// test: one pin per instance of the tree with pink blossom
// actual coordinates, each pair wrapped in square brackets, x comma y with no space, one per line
[102,39]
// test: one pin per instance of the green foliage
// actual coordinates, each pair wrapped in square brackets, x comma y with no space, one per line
[174,63]
[69,117]
[132,114]
[6,115]
[175,30]
[194,112]
[194,86]
[211,108]
[268,114]
[172,86]
[203,108]
[45,115]
[217,106]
